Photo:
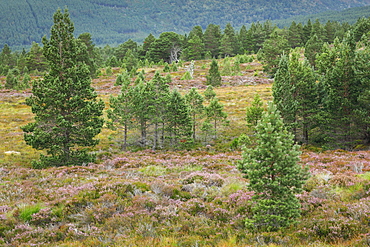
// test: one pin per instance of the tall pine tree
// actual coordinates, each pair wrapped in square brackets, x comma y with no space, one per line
[214,77]
[196,108]
[342,87]
[68,114]
[274,174]
[295,95]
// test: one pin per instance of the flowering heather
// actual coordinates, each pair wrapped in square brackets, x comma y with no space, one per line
[157,198]
[183,195]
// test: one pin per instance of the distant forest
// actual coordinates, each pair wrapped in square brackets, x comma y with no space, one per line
[113,22]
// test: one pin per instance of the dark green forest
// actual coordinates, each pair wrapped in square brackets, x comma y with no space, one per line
[113,22]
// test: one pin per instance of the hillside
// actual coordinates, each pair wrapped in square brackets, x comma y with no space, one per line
[113,22]
[350,16]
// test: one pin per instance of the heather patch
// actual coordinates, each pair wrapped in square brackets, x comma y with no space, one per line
[175,197]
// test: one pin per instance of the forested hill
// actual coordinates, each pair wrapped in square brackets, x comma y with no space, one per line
[114,21]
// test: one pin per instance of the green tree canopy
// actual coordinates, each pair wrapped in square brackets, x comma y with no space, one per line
[67,112]
[274,174]
[214,77]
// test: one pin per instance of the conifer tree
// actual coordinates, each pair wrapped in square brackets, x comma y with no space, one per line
[35,60]
[68,114]
[229,42]
[130,61]
[144,107]
[271,52]
[179,124]
[196,31]
[147,43]
[122,110]
[194,49]
[274,175]
[295,35]
[282,92]
[161,96]
[215,114]
[295,95]
[214,77]
[25,82]
[196,108]
[254,112]
[363,74]
[337,65]
[90,57]
[307,30]
[12,79]
[313,47]
[209,93]
[212,38]
[243,39]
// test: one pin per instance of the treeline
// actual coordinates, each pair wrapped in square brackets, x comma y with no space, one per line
[213,42]
[110,22]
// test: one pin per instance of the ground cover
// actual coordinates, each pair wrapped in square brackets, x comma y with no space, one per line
[170,198]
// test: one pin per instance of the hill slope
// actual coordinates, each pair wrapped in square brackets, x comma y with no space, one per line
[115,21]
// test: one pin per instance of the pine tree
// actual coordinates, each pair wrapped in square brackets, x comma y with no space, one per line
[147,43]
[295,35]
[254,112]
[215,114]
[195,48]
[363,74]
[229,42]
[313,47]
[161,97]
[295,95]
[274,174]
[68,114]
[271,52]
[337,65]
[307,30]
[243,39]
[12,79]
[282,92]
[90,56]
[209,93]
[35,60]
[196,108]
[179,124]
[196,31]
[130,61]
[122,110]
[25,82]
[144,108]
[7,57]
[212,38]
[214,77]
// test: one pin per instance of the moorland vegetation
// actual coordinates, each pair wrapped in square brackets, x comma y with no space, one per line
[185,134]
